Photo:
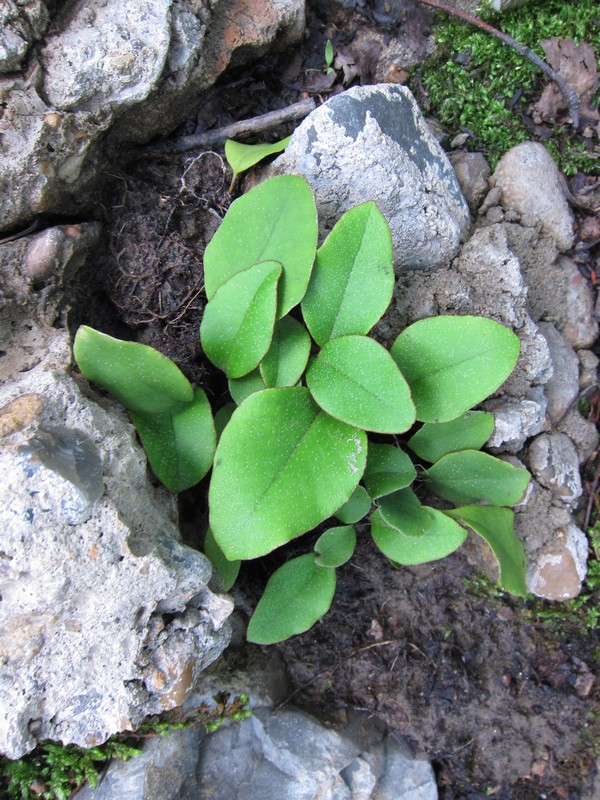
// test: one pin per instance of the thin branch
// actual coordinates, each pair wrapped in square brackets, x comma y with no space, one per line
[259,124]
[569,93]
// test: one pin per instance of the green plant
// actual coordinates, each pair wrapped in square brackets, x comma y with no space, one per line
[475,83]
[54,771]
[293,453]
[329,56]
[241,157]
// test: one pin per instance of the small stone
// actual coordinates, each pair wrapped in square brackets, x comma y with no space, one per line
[379,132]
[554,461]
[20,413]
[530,183]
[472,172]
[588,368]
[560,568]
[563,387]
[582,432]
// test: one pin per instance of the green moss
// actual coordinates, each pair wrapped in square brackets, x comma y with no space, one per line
[477,84]
[54,771]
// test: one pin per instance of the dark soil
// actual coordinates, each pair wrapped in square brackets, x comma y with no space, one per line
[500,701]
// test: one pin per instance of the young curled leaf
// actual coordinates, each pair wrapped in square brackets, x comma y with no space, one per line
[496,526]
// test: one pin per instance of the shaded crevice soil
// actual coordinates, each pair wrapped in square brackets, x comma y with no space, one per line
[494,696]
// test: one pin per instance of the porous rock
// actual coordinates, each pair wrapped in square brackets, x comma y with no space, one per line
[275,753]
[581,431]
[554,461]
[560,568]
[530,183]
[22,22]
[378,132]
[562,388]
[37,273]
[105,616]
[132,69]
[472,172]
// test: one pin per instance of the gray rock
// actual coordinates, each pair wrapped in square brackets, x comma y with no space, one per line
[165,770]
[105,617]
[117,67]
[379,133]
[582,432]
[530,183]
[563,387]
[561,567]
[289,754]
[515,421]
[472,172]
[588,368]
[35,273]
[285,753]
[554,461]
[21,24]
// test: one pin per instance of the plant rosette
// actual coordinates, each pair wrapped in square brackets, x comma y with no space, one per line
[288,323]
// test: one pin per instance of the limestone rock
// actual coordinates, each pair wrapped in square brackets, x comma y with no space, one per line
[130,69]
[22,22]
[563,387]
[559,570]
[35,273]
[530,183]
[378,132]
[554,461]
[275,753]
[582,432]
[472,172]
[105,617]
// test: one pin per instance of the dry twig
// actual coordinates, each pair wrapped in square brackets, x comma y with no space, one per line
[245,127]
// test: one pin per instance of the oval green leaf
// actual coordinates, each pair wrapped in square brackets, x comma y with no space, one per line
[496,526]
[468,432]
[180,445]
[282,466]
[453,363]
[228,570]
[241,388]
[356,380]
[353,277]
[237,326]
[470,476]
[335,546]
[288,354]
[409,533]
[140,377]
[223,416]
[357,507]
[275,221]
[241,157]
[296,596]
[388,469]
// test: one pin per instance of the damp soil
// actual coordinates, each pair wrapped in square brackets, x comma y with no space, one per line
[500,698]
